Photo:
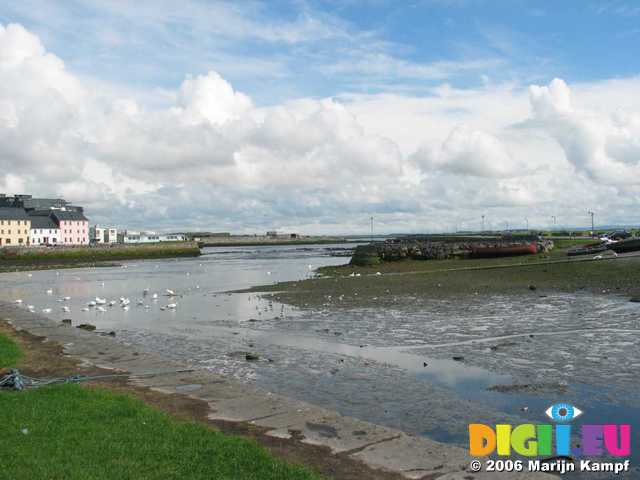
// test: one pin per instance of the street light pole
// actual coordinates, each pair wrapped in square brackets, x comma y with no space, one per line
[371,228]
[527,222]
[483,223]
[593,229]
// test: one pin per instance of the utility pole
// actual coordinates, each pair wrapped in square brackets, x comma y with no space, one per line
[371,228]
[553,217]
[526,220]
[593,229]
[483,223]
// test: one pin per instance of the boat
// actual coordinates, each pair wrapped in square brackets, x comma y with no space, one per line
[589,249]
[504,250]
[624,246]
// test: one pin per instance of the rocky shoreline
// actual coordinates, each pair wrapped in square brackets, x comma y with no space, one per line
[425,248]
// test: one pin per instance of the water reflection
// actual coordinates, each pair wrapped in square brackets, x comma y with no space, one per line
[391,363]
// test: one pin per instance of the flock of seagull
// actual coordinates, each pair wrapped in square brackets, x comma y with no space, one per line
[101,304]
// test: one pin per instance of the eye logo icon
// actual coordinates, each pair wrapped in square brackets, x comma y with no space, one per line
[563,412]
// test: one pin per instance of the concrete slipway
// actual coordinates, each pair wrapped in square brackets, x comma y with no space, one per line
[378,447]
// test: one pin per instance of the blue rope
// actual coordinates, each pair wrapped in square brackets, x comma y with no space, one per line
[15,380]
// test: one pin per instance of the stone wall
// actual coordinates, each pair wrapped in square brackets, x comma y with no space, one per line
[427,249]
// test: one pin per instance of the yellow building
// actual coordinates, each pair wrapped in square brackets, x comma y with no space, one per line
[15,225]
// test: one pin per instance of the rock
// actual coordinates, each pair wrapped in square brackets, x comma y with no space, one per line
[253,320]
[112,333]
[458,358]
[635,299]
[532,287]
[252,357]
[66,321]
[424,364]
[87,326]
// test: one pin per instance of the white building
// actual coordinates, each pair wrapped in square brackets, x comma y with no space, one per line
[44,231]
[152,237]
[99,234]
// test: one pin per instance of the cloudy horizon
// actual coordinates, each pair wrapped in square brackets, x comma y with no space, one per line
[315,116]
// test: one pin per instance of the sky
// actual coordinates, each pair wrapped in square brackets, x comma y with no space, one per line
[313,116]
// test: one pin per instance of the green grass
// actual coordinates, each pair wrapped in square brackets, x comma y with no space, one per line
[45,256]
[70,432]
[10,353]
[565,243]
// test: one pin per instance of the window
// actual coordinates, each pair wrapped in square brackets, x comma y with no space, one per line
[8,240]
[19,240]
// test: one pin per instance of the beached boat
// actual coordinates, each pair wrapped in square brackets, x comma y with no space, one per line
[504,250]
[589,249]
[624,246]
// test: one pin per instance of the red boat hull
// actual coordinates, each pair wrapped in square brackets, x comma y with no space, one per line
[504,250]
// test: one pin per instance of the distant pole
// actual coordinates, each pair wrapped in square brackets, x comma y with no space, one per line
[526,222]
[483,223]
[372,228]
[593,229]
[553,217]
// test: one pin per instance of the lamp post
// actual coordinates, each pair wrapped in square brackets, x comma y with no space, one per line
[593,229]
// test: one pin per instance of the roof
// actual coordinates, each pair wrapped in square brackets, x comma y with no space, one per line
[43,222]
[68,215]
[13,213]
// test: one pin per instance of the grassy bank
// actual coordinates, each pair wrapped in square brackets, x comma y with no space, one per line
[43,257]
[9,352]
[75,432]
[349,286]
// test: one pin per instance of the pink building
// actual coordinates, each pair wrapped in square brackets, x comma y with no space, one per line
[74,227]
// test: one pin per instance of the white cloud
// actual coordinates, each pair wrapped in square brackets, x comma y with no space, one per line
[205,156]
[211,98]
[382,65]
[470,152]
[605,146]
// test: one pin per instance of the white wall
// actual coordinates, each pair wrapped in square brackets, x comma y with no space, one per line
[152,238]
[44,236]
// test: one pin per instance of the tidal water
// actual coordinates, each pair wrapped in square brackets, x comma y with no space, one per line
[426,366]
